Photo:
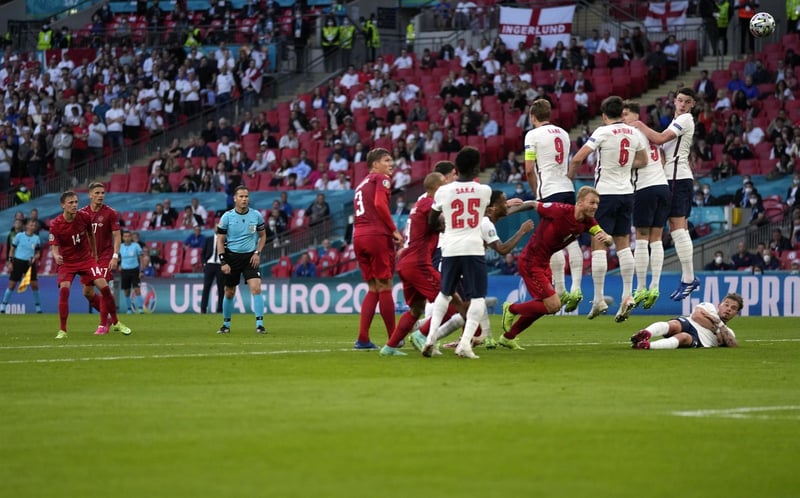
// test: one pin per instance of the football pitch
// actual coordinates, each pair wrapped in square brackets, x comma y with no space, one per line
[176,410]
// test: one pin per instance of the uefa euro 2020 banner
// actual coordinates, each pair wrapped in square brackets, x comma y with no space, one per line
[553,25]
[42,9]
[775,294]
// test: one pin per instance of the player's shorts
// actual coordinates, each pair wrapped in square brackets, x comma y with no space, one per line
[614,213]
[18,269]
[562,197]
[436,259]
[682,194]
[419,282]
[375,257]
[106,273]
[651,207]
[240,266]
[88,270]
[538,278]
[688,326]
[130,279]
[470,271]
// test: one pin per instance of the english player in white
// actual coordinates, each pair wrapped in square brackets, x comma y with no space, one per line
[650,211]
[620,149]
[462,204]
[677,143]
[547,168]
[706,327]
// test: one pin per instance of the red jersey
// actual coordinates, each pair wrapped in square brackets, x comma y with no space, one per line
[557,228]
[371,205]
[105,222]
[422,238]
[72,238]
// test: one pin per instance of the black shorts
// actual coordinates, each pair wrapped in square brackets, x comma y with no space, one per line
[18,269]
[562,197]
[614,213]
[240,265]
[682,194]
[687,327]
[651,207]
[130,279]
[469,271]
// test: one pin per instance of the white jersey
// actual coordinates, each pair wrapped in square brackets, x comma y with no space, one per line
[652,174]
[548,146]
[677,150]
[616,145]
[707,337]
[488,231]
[463,205]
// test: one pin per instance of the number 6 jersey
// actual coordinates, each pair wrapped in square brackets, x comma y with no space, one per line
[463,205]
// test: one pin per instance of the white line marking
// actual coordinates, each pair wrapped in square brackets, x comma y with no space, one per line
[744,412]
[170,356]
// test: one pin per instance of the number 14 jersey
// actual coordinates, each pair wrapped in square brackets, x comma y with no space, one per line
[463,205]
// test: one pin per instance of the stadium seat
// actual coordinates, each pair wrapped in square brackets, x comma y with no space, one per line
[192,260]
[283,268]
[119,182]
[749,167]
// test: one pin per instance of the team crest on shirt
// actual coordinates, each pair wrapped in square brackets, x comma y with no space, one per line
[386,183]
[492,233]
[52,237]
[547,204]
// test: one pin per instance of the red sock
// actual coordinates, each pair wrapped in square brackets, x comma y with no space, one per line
[111,305]
[63,306]
[425,327]
[407,320]
[522,323]
[529,308]
[386,302]
[95,302]
[367,312]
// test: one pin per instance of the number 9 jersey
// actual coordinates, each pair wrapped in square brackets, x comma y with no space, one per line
[463,205]
[548,146]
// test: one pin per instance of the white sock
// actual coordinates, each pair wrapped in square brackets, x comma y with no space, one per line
[641,258]
[685,250]
[668,343]
[557,264]
[599,269]
[439,309]
[575,265]
[486,326]
[626,268]
[658,329]
[475,312]
[454,323]
[656,263]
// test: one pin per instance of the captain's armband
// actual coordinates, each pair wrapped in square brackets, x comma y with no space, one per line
[595,230]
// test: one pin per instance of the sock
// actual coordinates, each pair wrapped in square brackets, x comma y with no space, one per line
[658,329]
[439,309]
[36,299]
[668,343]
[95,301]
[386,303]
[425,328]
[404,325]
[656,263]
[529,308]
[685,250]
[454,323]
[63,306]
[110,305]
[599,269]
[520,325]
[641,260]
[557,264]
[139,301]
[258,309]
[227,310]
[475,312]
[6,296]
[367,313]
[485,327]
[575,265]
[626,267]
[128,303]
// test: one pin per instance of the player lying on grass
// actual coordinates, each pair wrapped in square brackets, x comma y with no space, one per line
[706,327]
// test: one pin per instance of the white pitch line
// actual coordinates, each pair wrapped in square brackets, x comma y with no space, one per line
[744,412]
[170,356]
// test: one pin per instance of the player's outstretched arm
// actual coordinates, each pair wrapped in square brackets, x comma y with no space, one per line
[654,136]
[503,248]
[725,337]
[516,205]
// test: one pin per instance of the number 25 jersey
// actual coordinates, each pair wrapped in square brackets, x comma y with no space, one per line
[463,205]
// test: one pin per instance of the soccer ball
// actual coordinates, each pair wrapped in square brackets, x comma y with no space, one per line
[762,24]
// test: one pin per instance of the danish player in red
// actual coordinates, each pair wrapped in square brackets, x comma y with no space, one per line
[75,253]
[107,238]
[421,281]
[560,224]
[375,239]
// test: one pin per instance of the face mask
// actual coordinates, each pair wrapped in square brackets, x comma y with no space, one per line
[767,258]
[795,182]
[401,205]
[753,201]
[696,188]
[706,191]
[745,180]
[748,190]
[718,260]
[519,191]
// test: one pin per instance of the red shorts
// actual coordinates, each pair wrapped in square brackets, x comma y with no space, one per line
[419,282]
[538,278]
[106,274]
[88,271]
[376,255]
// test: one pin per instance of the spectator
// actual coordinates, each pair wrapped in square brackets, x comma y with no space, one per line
[159,219]
[718,264]
[778,243]
[304,267]
[196,239]
[521,193]
[752,133]
[62,143]
[450,144]
[190,221]
[792,194]
[743,259]
[508,265]
[318,211]
[187,185]
[758,215]
[6,157]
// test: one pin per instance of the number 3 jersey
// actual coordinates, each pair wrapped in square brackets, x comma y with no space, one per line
[463,205]
[371,206]
[548,145]
[72,238]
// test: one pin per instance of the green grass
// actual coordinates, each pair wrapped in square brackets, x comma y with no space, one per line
[176,410]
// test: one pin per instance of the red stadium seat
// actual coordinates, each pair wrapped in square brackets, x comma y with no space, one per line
[283,268]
